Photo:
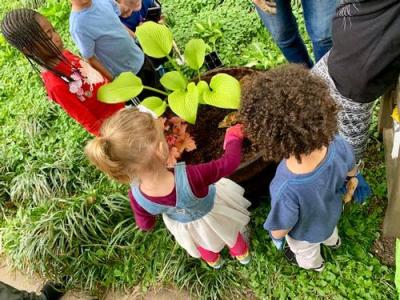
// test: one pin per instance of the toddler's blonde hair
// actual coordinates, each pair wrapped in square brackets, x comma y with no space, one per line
[130,142]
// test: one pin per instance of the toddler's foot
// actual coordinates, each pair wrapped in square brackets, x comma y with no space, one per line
[289,255]
[245,258]
[217,264]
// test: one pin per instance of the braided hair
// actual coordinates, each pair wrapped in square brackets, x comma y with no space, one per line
[22,30]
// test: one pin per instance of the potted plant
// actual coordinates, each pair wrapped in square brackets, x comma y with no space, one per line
[203,102]
[210,32]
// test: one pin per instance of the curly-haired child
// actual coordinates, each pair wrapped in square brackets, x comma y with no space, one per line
[291,117]
[203,210]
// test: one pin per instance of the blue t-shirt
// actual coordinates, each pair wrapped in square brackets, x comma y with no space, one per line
[137,16]
[311,204]
[97,31]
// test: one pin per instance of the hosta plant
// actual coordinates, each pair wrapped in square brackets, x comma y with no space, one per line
[182,96]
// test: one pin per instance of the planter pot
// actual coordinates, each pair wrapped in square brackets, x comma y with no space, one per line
[254,174]
[212,61]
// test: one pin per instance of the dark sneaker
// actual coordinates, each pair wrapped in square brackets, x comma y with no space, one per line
[53,291]
[289,255]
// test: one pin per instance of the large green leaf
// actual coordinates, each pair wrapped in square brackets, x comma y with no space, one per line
[155,39]
[124,87]
[225,92]
[174,81]
[185,103]
[155,104]
[202,86]
[195,52]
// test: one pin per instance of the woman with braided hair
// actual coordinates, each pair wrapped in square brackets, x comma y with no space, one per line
[69,81]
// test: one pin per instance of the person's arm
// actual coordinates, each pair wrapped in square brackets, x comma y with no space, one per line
[209,173]
[131,33]
[284,213]
[75,108]
[95,63]
[86,46]
[144,220]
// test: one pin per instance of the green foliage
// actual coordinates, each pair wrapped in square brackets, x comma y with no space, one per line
[194,53]
[59,216]
[174,81]
[155,104]
[155,39]
[208,31]
[397,280]
[122,88]
[225,92]
[185,103]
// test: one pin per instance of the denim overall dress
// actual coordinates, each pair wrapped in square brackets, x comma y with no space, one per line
[188,207]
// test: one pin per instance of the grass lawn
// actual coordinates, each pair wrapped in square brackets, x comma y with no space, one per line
[62,217]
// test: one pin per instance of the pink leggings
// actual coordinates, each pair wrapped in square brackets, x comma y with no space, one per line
[240,248]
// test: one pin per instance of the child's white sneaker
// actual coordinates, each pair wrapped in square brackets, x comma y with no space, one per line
[245,258]
[217,264]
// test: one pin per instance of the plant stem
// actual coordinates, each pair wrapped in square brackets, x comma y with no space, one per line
[173,62]
[198,74]
[155,90]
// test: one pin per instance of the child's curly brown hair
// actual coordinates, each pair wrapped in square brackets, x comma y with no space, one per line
[287,111]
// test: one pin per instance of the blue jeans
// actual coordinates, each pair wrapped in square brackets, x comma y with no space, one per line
[318,15]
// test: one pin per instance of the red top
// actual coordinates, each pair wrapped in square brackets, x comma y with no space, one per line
[82,106]
[200,177]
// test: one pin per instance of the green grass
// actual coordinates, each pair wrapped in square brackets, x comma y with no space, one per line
[62,217]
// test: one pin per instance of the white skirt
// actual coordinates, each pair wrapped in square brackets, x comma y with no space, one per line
[219,227]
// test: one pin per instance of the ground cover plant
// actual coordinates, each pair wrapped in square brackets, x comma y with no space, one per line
[59,216]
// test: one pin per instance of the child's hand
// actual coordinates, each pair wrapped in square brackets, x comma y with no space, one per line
[233,133]
[361,191]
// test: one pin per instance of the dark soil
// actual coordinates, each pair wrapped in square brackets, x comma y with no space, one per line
[210,139]
[384,249]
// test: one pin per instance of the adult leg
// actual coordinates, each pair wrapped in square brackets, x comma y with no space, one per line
[284,31]
[318,15]
[308,255]
[354,118]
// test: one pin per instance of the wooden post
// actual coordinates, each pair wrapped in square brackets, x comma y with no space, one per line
[391,223]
